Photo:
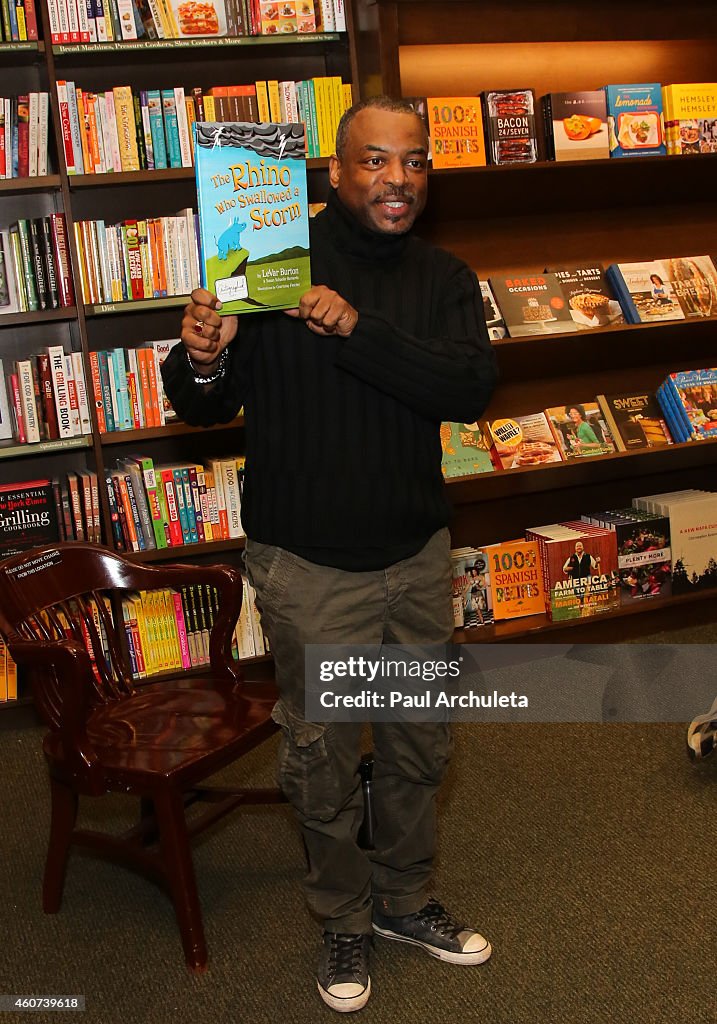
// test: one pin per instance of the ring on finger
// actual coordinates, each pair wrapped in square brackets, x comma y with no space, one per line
[199,326]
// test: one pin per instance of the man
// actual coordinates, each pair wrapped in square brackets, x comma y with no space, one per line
[345,513]
[580,565]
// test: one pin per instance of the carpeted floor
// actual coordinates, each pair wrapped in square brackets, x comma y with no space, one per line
[584,852]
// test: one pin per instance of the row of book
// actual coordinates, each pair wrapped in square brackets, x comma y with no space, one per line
[101,21]
[150,129]
[502,126]
[37,512]
[173,506]
[688,399]
[662,544]
[24,135]
[588,428]
[35,265]
[8,674]
[169,629]
[138,259]
[44,397]
[127,387]
[18,21]
[565,299]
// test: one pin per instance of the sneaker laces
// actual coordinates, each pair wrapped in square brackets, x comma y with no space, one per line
[345,953]
[435,915]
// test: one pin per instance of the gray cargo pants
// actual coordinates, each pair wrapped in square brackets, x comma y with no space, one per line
[304,603]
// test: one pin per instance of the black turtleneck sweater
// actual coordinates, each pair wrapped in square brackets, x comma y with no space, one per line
[343,454]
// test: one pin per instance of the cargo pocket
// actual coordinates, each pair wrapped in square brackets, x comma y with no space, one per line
[306,775]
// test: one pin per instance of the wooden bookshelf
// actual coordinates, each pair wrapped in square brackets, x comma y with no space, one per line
[526,218]
[186,552]
[116,437]
[42,316]
[225,43]
[43,183]
[10,450]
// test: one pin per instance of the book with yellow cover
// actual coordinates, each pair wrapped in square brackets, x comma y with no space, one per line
[516,579]
[690,118]
[455,125]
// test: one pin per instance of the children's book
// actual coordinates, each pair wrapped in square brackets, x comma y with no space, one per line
[253,214]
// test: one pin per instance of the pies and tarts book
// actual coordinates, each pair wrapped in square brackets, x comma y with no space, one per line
[253,214]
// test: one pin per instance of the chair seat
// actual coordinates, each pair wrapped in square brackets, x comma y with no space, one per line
[173,726]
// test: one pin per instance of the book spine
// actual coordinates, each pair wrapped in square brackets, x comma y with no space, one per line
[81,387]
[104,372]
[28,407]
[117,535]
[62,260]
[23,229]
[72,394]
[47,398]
[38,264]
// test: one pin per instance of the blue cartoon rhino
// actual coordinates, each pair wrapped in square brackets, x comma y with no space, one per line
[230,239]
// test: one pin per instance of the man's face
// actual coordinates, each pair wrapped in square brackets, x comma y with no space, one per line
[382,177]
[579,549]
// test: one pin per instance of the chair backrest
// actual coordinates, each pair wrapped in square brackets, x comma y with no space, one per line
[63,592]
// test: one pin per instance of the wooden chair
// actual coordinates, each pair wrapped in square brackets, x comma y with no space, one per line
[156,741]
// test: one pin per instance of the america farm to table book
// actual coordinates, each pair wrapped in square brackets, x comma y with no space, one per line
[253,214]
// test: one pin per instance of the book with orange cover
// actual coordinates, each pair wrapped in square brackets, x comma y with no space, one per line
[455,124]
[516,580]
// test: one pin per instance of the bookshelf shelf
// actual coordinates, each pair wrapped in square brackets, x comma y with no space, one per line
[46,183]
[169,430]
[539,628]
[599,470]
[20,52]
[184,45]
[187,551]
[83,181]
[140,306]
[13,451]
[39,317]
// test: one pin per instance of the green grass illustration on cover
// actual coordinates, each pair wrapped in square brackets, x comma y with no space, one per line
[253,214]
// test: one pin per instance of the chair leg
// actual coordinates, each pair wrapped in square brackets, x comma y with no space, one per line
[63,814]
[177,864]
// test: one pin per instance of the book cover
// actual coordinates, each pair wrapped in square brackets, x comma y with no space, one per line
[693,536]
[493,319]
[590,299]
[576,125]
[472,599]
[516,581]
[635,420]
[579,570]
[694,282]
[523,441]
[455,126]
[651,296]
[580,430]
[644,556]
[27,516]
[532,304]
[635,123]
[253,214]
[696,394]
[690,112]
[510,132]
[466,450]
[196,18]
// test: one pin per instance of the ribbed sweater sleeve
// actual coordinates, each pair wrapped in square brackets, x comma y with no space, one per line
[202,406]
[450,376]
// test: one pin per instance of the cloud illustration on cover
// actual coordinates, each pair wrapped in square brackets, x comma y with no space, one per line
[263,139]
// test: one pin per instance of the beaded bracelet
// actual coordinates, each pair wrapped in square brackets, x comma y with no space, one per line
[211,378]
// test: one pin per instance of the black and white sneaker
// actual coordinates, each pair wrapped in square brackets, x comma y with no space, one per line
[343,979]
[436,931]
[702,734]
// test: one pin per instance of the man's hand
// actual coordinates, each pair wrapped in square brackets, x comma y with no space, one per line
[205,334]
[325,312]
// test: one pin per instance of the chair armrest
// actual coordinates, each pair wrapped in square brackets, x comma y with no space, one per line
[71,664]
